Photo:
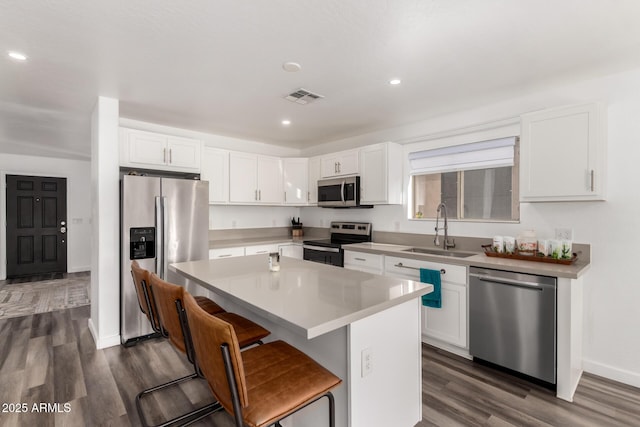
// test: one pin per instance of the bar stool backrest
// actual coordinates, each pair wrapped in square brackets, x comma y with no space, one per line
[209,333]
[165,295]
[141,282]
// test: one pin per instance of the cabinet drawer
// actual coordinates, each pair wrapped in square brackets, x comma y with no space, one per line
[363,261]
[226,252]
[407,267]
[260,249]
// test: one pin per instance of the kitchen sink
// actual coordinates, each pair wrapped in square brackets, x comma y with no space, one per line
[439,252]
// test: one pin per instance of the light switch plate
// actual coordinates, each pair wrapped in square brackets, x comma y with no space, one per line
[367,362]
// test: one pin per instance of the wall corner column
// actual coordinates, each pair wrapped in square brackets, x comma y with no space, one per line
[104,322]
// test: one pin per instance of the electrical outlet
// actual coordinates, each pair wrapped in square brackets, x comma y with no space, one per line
[367,362]
[564,233]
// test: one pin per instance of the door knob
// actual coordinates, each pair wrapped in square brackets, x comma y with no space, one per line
[63,229]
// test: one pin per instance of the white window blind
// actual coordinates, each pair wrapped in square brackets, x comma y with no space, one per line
[494,153]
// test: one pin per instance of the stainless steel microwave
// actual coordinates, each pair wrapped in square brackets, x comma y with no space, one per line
[339,192]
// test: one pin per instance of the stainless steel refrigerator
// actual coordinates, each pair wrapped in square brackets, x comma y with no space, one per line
[163,220]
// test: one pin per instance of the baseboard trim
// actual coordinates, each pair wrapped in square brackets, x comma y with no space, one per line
[80,269]
[105,342]
[612,373]
[447,347]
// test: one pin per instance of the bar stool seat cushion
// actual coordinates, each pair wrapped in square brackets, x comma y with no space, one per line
[247,331]
[208,305]
[281,379]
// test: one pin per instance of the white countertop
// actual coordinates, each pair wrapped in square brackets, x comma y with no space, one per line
[306,297]
[478,259]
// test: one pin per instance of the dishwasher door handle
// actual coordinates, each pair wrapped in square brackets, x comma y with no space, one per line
[521,284]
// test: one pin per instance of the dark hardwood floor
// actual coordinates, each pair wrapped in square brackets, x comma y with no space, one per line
[50,358]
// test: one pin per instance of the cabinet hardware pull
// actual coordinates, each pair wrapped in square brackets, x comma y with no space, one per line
[255,196]
[170,156]
[285,197]
[592,179]
[335,167]
[308,196]
[442,270]
[259,194]
[164,155]
[360,259]
[224,255]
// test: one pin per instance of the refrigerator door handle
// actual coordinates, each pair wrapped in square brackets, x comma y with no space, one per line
[159,236]
[165,240]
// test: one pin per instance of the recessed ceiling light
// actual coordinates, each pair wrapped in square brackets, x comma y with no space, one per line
[395,82]
[18,56]
[291,67]
[286,122]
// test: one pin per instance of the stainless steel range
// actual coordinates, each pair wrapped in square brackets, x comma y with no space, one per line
[330,251]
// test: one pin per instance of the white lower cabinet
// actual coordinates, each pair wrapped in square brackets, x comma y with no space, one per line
[291,250]
[226,252]
[361,261]
[447,324]
[260,249]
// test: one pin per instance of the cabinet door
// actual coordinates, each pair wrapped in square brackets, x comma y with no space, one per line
[215,169]
[291,250]
[183,153]
[562,154]
[146,148]
[226,252]
[260,249]
[360,261]
[242,178]
[373,174]
[295,181]
[448,323]
[269,180]
[341,163]
[349,162]
[328,166]
[314,176]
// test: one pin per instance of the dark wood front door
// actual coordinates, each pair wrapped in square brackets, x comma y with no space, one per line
[36,225]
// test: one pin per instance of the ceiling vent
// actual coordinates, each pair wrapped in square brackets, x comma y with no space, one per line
[303,97]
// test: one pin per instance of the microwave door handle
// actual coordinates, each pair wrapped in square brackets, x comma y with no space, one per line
[342,190]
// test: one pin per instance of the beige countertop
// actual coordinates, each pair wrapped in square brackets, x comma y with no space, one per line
[308,298]
[234,243]
[478,259]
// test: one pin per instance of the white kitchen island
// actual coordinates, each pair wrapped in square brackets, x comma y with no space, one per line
[363,327]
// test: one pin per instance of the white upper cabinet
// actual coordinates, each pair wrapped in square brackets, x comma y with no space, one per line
[563,154]
[255,179]
[341,163]
[270,180]
[295,173]
[215,169]
[314,176]
[157,151]
[381,174]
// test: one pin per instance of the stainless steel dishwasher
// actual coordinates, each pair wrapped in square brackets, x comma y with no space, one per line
[512,321]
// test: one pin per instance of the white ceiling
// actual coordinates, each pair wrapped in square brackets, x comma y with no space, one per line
[216,66]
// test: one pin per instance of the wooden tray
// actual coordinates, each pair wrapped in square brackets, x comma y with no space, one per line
[488,251]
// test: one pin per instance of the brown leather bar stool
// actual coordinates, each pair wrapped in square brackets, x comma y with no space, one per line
[141,279]
[147,305]
[259,386]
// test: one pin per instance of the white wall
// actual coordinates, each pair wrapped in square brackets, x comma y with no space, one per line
[612,292]
[228,217]
[78,174]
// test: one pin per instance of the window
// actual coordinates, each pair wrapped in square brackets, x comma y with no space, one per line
[476,182]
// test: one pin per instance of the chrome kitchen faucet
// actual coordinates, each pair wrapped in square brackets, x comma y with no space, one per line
[436,241]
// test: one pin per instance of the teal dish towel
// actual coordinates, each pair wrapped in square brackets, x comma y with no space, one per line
[434,299]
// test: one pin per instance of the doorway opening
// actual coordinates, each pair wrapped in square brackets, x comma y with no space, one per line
[36,225]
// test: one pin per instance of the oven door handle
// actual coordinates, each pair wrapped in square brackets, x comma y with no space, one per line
[321,248]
